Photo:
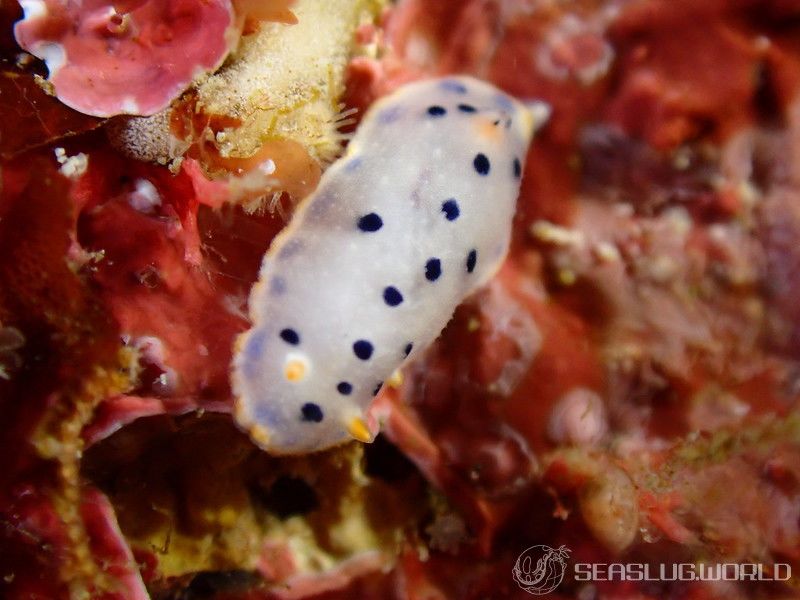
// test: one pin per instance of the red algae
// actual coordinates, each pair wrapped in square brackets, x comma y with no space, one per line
[627,385]
[39,118]
[68,364]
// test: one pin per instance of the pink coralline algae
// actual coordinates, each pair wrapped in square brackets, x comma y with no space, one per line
[131,57]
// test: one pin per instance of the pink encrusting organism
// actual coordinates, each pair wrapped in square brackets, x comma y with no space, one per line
[412,219]
[131,57]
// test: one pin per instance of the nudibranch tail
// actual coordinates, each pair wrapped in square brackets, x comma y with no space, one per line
[414,217]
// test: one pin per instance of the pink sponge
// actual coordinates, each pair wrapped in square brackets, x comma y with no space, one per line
[126,57]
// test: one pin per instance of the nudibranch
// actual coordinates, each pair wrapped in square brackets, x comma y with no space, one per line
[409,221]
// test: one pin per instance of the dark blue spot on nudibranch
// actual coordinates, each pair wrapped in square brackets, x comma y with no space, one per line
[472,260]
[277,286]
[353,164]
[433,268]
[453,86]
[390,115]
[450,209]
[517,168]
[311,412]
[254,353]
[392,296]
[436,111]
[370,223]
[344,388]
[264,413]
[255,345]
[481,164]
[290,336]
[467,108]
[377,389]
[504,102]
[408,348]
[290,249]
[363,349]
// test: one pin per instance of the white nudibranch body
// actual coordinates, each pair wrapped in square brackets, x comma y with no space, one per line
[414,217]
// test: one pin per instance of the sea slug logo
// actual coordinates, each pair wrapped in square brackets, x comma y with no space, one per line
[540,569]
